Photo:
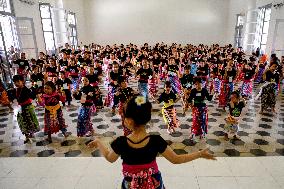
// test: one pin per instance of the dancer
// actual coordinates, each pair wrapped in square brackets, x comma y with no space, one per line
[86,96]
[26,117]
[186,83]
[168,97]
[64,86]
[246,89]
[199,109]
[144,73]
[122,95]
[227,86]
[4,99]
[140,149]
[114,77]
[268,91]
[53,116]
[173,75]
[236,106]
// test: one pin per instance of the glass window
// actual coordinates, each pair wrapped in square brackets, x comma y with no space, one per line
[240,21]
[9,31]
[265,27]
[239,30]
[45,11]
[71,18]
[72,28]
[49,41]
[263,21]
[47,26]
[5,6]
[264,39]
[263,48]
[267,14]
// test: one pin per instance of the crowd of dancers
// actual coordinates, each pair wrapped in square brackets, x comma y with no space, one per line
[190,74]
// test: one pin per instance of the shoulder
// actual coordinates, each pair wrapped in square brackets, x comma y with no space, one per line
[119,141]
[156,138]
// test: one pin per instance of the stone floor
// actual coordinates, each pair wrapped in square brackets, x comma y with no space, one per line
[96,173]
[261,135]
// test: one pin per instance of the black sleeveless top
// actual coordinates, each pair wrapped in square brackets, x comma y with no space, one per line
[139,156]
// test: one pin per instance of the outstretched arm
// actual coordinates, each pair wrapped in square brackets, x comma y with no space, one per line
[109,155]
[172,157]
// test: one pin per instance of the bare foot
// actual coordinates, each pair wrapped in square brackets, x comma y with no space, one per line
[236,137]
[226,137]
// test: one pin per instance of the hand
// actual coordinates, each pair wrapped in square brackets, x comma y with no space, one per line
[94,144]
[90,94]
[206,155]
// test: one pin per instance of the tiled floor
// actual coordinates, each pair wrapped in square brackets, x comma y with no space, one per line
[261,135]
[85,173]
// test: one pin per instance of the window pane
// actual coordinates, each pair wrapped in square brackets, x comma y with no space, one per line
[71,40]
[263,47]
[46,24]
[9,31]
[45,11]
[240,21]
[71,19]
[74,33]
[265,27]
[49,41]
[267,14]
[75,42]
[264,39]
[5,6]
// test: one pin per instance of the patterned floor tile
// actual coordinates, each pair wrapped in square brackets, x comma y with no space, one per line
[260,135]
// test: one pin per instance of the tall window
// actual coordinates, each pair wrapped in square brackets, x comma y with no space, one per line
[7,22]
[262,27]
[47,27]
[73,29]
[239,30]
[5,6]
[8,37]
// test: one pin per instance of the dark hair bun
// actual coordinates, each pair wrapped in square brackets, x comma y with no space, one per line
[18,78]
[197,79]
[139,111]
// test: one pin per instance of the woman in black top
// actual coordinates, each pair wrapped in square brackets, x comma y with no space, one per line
[51,70]
[268,91]
[26,117]
[227,87]
[173,75]
[248,72]
[86,96]
[144,73]
[140,149]
[123,94]
[199,109]
[73,73]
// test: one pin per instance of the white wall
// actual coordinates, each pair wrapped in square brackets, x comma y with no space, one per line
[182,21]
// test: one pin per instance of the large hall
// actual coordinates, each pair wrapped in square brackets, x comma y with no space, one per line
[142,94]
